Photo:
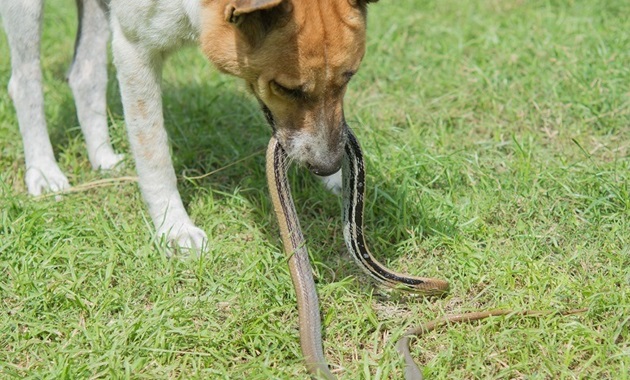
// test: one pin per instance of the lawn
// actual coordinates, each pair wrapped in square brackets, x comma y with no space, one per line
[497,139]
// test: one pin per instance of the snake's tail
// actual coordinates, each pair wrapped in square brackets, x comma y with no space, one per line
[413,372]
[299,264]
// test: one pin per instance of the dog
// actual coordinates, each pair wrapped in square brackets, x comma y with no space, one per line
[295,56]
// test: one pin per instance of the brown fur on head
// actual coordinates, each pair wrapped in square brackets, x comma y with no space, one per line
[297,57]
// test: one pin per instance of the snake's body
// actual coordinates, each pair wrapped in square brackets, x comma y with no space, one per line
[295,247]
[299,265]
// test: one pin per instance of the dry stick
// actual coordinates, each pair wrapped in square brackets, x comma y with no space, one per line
[412,371]
[110,181]
[226,166]
[89,185]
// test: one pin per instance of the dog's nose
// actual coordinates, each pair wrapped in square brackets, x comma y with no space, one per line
[325,163]
[323,172]
[324,169]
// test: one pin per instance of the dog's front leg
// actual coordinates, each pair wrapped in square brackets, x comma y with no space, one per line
[22,22]
[139,74]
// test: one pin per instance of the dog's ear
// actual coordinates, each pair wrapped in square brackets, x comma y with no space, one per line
[237,9]
[254,19]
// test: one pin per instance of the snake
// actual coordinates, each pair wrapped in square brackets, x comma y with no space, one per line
[353,179]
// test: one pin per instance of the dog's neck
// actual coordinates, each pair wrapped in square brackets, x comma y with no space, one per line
[193,10]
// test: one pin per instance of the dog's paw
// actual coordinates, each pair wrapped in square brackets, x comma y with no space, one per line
[333,182]
[107,161]
[44,178]
[185,238]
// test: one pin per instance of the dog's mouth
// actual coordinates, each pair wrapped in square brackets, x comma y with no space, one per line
[321,162]
[268,115]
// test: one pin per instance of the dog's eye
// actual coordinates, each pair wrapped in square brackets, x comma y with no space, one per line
[348,75]
[295,93]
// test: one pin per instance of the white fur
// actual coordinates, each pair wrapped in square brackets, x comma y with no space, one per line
[88,79]
[144,32]
[194,13]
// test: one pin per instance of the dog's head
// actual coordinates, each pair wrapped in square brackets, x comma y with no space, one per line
[297,57]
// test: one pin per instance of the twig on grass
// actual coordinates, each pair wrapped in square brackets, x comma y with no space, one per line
[112,181]
[184,176]
[89,185]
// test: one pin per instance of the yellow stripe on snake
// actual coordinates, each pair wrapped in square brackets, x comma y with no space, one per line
[295,248]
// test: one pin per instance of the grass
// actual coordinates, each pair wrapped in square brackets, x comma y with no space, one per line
[497,140]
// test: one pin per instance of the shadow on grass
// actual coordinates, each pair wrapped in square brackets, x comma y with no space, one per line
[211,126]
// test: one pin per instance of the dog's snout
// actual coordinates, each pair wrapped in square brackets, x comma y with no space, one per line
[320,151]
